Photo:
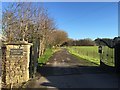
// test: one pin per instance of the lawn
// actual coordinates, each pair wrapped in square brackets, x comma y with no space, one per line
[91,53]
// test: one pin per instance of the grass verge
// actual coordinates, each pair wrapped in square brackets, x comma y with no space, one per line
[86,52]
[91,54]
[47,54]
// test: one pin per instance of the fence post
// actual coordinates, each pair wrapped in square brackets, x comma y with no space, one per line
[35,50]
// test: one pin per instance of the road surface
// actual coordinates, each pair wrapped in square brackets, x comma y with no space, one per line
[67,71]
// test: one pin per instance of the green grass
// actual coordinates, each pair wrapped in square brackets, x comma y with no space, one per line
[91,54]
[47,54]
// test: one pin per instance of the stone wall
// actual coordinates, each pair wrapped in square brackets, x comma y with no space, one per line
[15,63]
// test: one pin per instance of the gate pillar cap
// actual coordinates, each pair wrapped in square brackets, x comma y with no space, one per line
[18,43]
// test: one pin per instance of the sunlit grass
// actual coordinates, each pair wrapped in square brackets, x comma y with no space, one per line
[46,56]
[91,54]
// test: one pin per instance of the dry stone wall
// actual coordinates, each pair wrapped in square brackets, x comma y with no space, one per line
[15,63]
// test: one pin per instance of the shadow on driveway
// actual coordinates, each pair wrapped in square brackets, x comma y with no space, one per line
[77,77]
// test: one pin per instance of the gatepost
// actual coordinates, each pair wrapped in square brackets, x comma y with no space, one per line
[15,63]
[117,57]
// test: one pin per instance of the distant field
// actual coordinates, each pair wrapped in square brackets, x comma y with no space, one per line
[91,53]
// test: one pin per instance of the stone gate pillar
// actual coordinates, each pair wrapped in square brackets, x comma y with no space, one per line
[15,62]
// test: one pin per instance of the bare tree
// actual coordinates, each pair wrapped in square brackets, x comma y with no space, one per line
[58,37]
[27,22]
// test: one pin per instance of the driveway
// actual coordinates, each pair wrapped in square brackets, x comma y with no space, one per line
[67,71]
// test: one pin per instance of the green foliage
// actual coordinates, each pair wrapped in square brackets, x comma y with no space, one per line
[47,54]
[91,53]
[44,58]
[86,52]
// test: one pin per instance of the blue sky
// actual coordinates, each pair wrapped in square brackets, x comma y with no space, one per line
[85,20]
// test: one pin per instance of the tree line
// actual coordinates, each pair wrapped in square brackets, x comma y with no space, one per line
[30,22]
[80,42]
[88,42]
[25,21]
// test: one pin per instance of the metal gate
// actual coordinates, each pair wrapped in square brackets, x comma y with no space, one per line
[107,56]
[110,53]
